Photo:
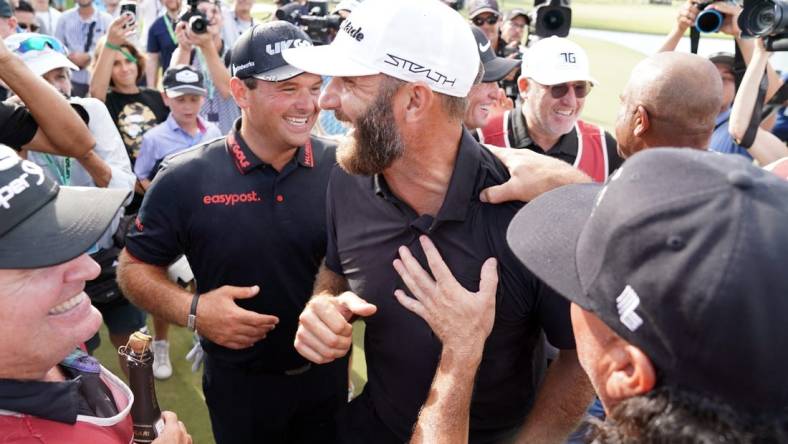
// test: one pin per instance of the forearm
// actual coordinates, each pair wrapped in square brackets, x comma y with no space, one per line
[102,71]
[220,76]
[560,404]
[672,40]
[152,69]
[329,283]
[180,56]
[148,287]
[99,171]
[61,125]
[445,416]
[744,103]
[767,148]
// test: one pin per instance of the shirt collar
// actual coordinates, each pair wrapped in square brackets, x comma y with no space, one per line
[245,160]
[723,116]
[464,185]
[172,124]
[567,144]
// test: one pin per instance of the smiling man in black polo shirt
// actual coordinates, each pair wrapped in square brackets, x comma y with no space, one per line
[248,211]
[401,78]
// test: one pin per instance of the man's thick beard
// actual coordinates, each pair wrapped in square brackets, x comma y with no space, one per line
[376,142]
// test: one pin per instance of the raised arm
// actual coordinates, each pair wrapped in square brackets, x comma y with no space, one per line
[684,19]
[60,129]
[102,68]
[462,320]
[766,147]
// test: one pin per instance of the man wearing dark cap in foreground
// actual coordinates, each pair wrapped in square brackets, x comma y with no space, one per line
[50,389]
[675,271]
[250,218]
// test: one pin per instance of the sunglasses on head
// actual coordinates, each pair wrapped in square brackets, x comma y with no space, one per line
[32,27]
[490,20]
[39,43]
[581,89]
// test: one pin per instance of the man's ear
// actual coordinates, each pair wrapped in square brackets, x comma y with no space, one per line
[642,122]
[632,374]
[240,92]
[522,85]
[418,100]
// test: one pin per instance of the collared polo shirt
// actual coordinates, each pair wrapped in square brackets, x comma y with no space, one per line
[566,147]
[366,225]
[240,222]
[169,138]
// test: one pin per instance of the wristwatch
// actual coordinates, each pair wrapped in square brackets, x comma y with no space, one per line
[191,321]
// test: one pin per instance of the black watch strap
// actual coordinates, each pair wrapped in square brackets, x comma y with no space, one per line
[191,321]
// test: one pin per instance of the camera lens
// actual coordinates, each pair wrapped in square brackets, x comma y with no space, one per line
[762,19]
[709,20]
[553,20]
[198,25]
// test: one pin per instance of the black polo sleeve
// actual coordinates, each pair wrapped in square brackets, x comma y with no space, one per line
[17,126]
[333,262]
[555,318]
[613,159]
[157,236]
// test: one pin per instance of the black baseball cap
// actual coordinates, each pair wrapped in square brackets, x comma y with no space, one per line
[476,7]
[495,68]
[43,224]
[258,51]
[183,79]
[6,10]
[682,253]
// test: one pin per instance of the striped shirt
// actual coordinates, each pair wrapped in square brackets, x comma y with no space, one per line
[73,31]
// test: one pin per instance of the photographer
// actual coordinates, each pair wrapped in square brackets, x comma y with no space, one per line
[721,141]
[486,15]
[207,51]
[514,31]
[766,147]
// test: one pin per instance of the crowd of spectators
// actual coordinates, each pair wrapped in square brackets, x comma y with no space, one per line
[187,173]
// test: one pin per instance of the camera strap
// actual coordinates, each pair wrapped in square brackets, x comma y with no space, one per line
[694,39]
[755,116]
[170,31]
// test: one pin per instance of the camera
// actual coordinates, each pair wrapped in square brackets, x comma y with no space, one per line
[767,19]
[550,19]
[314,19]
[710,20]
[129,8]
[196,19]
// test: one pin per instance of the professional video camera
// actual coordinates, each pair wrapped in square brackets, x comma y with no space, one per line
[550,18]
[710,20]
[314,20]
[767,19]
[196,19]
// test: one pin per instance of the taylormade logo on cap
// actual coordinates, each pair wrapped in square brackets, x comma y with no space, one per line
[187,77]
[414,41]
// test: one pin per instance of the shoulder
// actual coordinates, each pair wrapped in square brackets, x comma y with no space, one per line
[192,164]
[105,17]
[324,149]
[495,173]
[155,132]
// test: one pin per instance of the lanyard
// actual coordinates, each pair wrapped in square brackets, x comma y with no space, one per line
[168,24]
[64,175]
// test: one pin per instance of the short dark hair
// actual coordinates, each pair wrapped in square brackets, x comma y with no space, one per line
[24,6]
[670,414]
[250,82]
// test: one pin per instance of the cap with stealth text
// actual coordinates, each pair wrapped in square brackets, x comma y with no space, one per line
[476,7]
[183,79]
[682,254]
[556,60]
[258,51]
[495,68]
[414,40]
[42,224]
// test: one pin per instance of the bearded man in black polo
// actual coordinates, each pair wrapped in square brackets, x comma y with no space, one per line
[248,211]
[401,79]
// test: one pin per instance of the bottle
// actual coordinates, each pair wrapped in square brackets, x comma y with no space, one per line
[145,412]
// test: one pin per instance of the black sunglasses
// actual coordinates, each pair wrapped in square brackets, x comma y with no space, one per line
[581,89]
[490,20]
[33,27]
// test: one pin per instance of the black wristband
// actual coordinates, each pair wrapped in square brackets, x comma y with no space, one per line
[191,321]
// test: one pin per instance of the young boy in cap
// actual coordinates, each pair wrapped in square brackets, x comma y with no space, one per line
[675,271]
[184,93]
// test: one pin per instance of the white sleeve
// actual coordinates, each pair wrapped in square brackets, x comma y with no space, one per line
[109,145]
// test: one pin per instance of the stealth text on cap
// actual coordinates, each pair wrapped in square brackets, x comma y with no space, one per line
[278,47]
[353,32]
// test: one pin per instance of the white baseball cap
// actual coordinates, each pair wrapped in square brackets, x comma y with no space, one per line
[556,60]
[43,55]
[411,40]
